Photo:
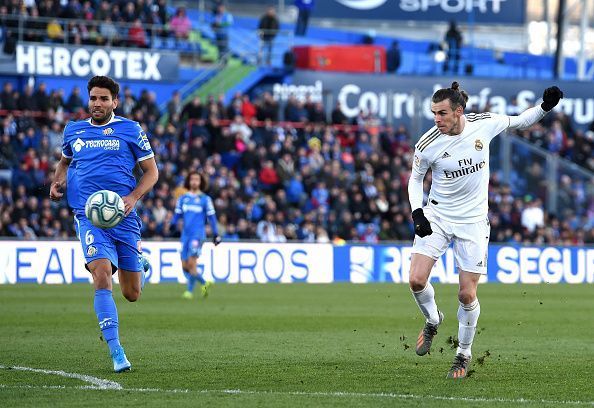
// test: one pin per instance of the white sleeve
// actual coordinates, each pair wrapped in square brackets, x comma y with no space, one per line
[415,182]
[527,118]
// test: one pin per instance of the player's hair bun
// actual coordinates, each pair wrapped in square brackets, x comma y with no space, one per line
[455,86]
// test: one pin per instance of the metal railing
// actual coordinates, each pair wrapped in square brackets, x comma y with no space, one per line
[564,187]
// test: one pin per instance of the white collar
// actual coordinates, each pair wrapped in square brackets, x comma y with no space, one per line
[112,119]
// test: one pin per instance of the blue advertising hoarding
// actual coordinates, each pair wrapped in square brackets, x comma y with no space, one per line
[479,11]
[506,264]
[62,262]
[405,98]
[68,61]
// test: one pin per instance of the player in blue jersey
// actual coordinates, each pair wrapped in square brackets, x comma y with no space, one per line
[194,208]
[73,197]
[105,149]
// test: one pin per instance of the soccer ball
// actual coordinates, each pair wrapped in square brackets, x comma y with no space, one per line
[105,209]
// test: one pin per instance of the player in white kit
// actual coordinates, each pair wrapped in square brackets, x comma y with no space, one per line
[457,151]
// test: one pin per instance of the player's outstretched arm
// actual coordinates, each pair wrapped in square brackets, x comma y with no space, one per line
[150,175]
[550,99]
[59,179]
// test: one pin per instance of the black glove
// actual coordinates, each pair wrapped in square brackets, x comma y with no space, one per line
[550,98]
[422,224]
[216,240]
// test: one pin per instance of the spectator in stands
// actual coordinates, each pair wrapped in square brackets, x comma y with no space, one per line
[221,21]
[137,34]
[532,214]
[72,10]
[55,32]
[338,117]
[267,31]
[103,12]
[453,40]
[304,8]
[7,97]
[41,97]
[248,110]
[393,57]
[129,14]
[180,24]
[193,110]
[34,28]
[109,32]
[174,106]
[75,101]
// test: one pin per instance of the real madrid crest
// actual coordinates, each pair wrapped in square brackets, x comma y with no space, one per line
[478,145]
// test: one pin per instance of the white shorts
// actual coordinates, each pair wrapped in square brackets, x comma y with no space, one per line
[471,242]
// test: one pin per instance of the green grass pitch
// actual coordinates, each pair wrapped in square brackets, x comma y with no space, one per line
[295,345]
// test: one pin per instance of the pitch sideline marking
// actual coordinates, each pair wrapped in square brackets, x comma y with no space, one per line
[97,383]
[101,384]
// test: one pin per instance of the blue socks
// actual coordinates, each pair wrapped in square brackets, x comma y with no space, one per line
[107,315]
[199,277]
[193,279]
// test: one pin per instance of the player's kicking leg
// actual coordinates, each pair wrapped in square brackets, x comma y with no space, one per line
[100,259]
[424,295]
[106,311]
[468,314]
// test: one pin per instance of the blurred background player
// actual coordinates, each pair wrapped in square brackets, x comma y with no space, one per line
[106,149]
[194,207]
[457,151]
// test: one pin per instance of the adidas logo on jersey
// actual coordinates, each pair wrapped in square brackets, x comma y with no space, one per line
[445,155]
[480,264]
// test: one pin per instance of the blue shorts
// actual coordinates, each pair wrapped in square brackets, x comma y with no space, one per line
[121,244]
[191,247]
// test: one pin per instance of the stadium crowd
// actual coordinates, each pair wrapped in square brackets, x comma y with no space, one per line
[92,22]
[308,177]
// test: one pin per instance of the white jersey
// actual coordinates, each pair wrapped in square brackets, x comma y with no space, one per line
[460,167]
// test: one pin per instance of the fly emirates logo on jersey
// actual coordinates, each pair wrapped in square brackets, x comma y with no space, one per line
[105,144]
[466,167]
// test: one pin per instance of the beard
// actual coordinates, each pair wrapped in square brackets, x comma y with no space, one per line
[103,119]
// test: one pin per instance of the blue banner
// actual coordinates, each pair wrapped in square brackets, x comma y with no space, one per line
[405,98]
[62,262]
[506,264]
[62,60]
[479,11]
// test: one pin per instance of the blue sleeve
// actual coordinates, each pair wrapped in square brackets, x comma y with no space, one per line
[66,148]
[211,214]
[212,220]
[210,210]
[141,146]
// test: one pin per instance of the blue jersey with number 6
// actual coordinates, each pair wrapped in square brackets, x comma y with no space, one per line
[103,158]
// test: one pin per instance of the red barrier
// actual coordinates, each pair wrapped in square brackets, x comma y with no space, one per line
[343,58]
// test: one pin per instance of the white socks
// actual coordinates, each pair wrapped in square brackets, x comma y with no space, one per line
[426,300]
[467,317]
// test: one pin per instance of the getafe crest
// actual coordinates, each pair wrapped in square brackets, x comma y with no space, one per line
[107,131]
